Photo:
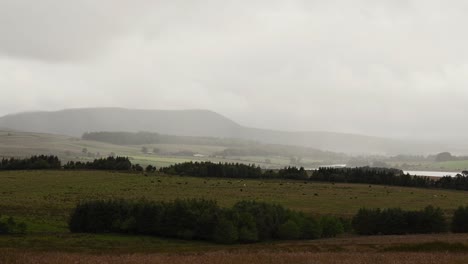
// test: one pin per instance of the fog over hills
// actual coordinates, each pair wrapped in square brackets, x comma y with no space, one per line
[75,122]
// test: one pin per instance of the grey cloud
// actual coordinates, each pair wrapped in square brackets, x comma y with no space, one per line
[389,68]
[58,30]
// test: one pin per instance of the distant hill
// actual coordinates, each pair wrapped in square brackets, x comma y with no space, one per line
[75,122]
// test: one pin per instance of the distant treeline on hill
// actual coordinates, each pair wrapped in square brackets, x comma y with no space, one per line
[367,175]
[386,176]
[109,163]
[235,146]
[141,138]
[245,222]
[370,175]
[233,170]
[44,162]
[210,169]
[32,163]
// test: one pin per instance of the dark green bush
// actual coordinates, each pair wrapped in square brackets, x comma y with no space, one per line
[289,230]
[460,220]
[225,232]
[331,226]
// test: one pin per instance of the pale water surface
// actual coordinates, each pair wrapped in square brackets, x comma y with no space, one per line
[432,173]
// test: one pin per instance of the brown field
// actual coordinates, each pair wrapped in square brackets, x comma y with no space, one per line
[415,249]
[16,257]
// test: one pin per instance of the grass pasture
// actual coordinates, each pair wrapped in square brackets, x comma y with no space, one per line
[44,199]
[26,144]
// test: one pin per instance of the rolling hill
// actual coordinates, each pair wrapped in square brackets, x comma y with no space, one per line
[75,122]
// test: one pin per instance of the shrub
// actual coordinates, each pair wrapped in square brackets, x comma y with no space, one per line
[289,230]
[225,232]
[331,226]
[247,227]
[365,221]
[460,220]
[311,229]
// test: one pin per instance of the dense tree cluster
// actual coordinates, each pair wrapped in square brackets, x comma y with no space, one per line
[109,163]
[210,169]
[40,162]
[233,170]
[460,220]
[123,138]
[370,175]
[459,182]
[397,221]
[246,221]
[293,173]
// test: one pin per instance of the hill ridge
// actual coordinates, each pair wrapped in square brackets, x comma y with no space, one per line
[198,122]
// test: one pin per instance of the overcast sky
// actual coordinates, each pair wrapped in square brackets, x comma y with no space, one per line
[388,68]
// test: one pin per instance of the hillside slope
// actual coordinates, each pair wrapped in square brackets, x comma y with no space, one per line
[75,122]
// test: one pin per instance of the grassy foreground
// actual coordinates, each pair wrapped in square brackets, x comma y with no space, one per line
[44,199]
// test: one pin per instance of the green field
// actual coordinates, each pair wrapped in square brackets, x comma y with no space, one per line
[457,165]
[450,166]
[44,198]
[26,144]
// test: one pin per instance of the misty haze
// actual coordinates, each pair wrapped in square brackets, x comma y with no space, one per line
[175,131]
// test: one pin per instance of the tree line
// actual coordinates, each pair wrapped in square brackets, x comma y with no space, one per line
[31,163]
[198,219]
[210,169]
[44,162]
[109,163]
[251,221]
[233,170]
[459,182]
[367,175]
[370,175]
[395,221]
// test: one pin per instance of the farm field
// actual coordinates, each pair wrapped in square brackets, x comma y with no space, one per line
[26,144]
[48,196]
[44,199]
[453,166]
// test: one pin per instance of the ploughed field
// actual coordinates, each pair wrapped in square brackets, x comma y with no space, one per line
[44,199]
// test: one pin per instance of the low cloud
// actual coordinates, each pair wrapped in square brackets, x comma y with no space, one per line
[388,68]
